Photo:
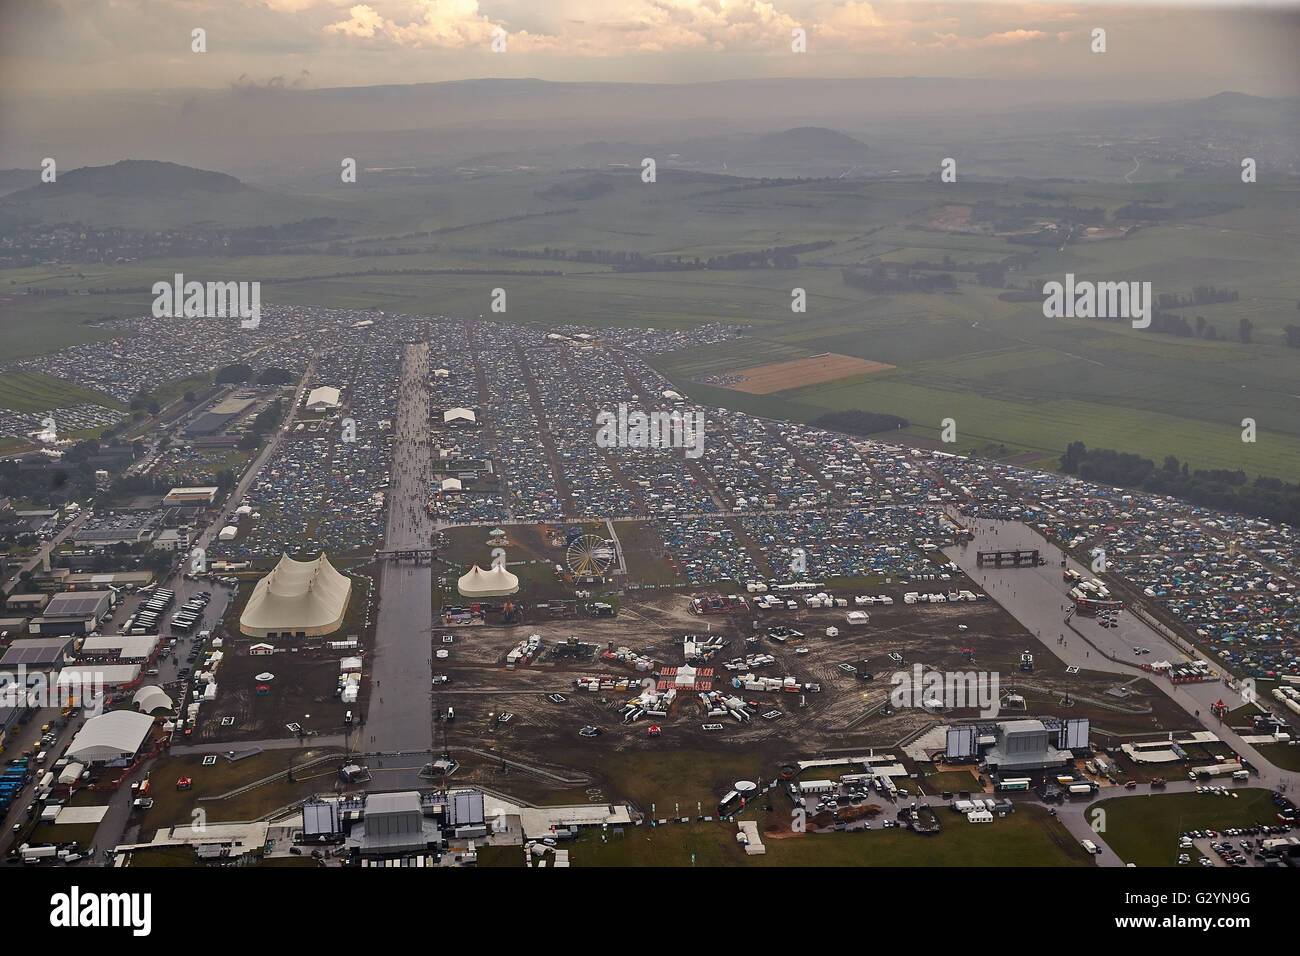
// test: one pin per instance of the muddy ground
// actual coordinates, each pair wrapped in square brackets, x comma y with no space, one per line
[845,715]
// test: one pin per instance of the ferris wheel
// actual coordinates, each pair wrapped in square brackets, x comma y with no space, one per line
[589,556]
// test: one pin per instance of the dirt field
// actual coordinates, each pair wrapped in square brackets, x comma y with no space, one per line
[779,376]
[624,762]
[549,762]
[950,219]
[304,684]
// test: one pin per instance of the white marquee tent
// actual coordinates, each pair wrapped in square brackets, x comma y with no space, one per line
[117,735]
[478,583]
[150,698]
[297,597]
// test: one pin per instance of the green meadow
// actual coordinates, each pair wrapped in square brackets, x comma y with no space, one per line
[1005,374]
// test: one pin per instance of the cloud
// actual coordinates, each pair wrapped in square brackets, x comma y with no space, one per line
[450,24]
[655,26]
[951,41]
[364,22]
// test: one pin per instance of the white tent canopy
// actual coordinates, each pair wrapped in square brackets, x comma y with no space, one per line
[323,397]
[150,698]
[308,597]
[478,583]
[113,736]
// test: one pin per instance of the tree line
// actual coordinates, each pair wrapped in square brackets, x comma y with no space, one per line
[1224,490]
[855,421]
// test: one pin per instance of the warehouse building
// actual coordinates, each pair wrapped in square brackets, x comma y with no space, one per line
[209,423]
[27,602]
[125,530]
[205,495]
[116,579]
[37,653]
[12,627]
[73,612]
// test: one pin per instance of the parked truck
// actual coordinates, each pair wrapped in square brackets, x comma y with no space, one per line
[36,854]
[1213,770]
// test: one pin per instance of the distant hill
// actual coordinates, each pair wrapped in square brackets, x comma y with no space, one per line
[1230,98]
[133,178]
[15,179]
[813,141]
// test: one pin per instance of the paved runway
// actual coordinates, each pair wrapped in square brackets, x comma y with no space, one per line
[399,716]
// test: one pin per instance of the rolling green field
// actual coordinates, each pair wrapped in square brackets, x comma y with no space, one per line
[1144,830]
[32,392]
[1006,375]
[31,325]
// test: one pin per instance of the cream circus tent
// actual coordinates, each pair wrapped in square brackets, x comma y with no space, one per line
[297,599]
[484,584]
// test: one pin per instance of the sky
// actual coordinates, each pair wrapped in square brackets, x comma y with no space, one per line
[1161,48]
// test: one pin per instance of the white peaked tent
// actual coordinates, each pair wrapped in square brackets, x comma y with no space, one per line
[150,698]
[483,584]
[297,597]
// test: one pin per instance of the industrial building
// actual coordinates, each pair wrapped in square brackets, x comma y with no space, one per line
[205,495]
[27,602]
[37,653]
[73,612]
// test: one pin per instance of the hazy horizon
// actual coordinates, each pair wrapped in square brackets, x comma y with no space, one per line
[1154,50]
